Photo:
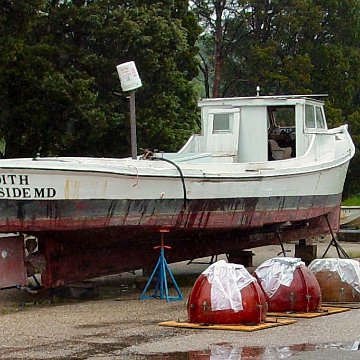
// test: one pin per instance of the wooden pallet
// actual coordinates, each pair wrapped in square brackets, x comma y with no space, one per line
[325,310]
[350,305]
[269,323]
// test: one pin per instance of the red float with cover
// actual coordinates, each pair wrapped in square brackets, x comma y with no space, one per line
[288,285]
[339,279]
[226,294]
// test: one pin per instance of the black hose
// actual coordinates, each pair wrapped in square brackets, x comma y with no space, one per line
[37,281]
[181,176]
[12,287]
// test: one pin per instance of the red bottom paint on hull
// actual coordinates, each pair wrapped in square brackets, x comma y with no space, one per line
[199,305]
[77,244]
[87,215]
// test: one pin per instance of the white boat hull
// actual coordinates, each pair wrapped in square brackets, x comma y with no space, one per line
[38,200]
[350,216]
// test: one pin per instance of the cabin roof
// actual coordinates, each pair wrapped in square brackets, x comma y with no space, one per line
[262,100]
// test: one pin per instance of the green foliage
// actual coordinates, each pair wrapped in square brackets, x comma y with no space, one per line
[352,185]
[301,46]
[334,116]
[60,86]
[353,200]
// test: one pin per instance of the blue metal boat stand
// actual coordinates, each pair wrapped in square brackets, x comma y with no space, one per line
[160,273]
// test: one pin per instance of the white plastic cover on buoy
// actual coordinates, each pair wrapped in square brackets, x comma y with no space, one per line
[129,77]
[277,271]
[227,280]
[347,269]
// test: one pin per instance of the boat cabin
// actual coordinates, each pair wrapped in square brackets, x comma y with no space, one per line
[262,128]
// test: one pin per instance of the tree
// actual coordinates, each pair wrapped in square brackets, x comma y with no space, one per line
[63,95]
[275,44]
[220,33]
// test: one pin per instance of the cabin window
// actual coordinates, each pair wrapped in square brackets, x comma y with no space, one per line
[320,121]
[314,117]
[309,116]
[221,123]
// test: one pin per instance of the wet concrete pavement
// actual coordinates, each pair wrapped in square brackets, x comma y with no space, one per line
[116,325]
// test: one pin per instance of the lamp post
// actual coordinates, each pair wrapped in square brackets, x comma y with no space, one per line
[130,81]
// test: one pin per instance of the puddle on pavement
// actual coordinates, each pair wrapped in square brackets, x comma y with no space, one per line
[228,352]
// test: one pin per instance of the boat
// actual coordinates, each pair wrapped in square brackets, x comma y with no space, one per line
[350,216]
[263,169]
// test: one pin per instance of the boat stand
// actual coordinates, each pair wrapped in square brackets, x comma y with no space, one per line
[283,251]
[160,273]
[340,251]
[213,259]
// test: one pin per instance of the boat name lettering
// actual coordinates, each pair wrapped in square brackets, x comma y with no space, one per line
[21,189]
[27,193]
[14,179]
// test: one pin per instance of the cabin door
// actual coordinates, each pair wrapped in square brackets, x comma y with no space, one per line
[221,131]
[253,138]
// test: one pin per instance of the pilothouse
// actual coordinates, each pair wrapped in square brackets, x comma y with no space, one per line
[258,129]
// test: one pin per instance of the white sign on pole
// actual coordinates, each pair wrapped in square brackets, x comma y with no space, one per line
[129,77]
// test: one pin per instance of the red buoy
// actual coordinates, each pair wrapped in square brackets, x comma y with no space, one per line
[288,285]
[226,294]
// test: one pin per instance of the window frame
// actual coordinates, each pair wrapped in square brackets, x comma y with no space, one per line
[315,129]
[230,115]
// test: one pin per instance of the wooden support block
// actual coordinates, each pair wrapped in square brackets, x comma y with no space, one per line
[243,257]
[349,235]
[306,253]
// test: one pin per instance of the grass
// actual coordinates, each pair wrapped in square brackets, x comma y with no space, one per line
[352,201]
[354,254]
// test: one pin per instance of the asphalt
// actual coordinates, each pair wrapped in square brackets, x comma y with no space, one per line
[116,325]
